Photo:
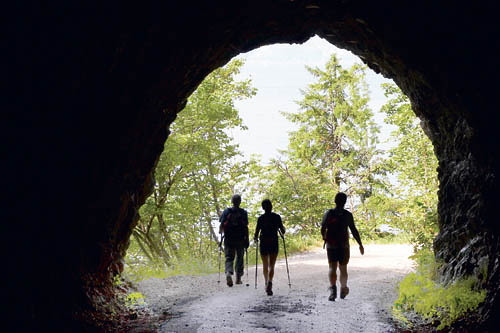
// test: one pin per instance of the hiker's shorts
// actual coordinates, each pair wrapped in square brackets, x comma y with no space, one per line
[340,254]
[268,247]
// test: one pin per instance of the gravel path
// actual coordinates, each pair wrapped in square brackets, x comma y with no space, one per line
[199,304]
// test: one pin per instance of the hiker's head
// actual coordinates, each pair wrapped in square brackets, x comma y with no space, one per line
[267,205]
[236,200]
[340,199]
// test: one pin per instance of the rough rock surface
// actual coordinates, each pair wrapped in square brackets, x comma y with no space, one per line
[92,90]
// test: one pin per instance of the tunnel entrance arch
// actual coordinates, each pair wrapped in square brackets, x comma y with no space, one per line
[112,84]
[261,114]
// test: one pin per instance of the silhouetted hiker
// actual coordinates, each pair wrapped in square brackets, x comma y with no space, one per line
[334,232]
[234,225]
[268,225]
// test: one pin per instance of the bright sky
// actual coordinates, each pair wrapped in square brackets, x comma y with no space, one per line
[278,72]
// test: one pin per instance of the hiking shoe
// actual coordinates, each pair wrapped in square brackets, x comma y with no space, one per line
[343,292]
[238,279]
[333,293]
[229,280]
[269,288]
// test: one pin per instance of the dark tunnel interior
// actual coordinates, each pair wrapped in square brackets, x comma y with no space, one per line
[92,90]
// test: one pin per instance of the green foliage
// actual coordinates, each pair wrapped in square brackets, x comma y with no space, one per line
[195,174]
[420,293]
[135,298]
[333,149]
[385,238]
[117,281]
[184,266]
[412,203]
[138,271]
[299,243]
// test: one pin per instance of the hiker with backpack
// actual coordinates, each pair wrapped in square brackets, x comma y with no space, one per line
[334,232]
[268,225]
[234,225]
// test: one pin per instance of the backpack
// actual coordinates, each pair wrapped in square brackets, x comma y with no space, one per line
[335,226]
[234,226]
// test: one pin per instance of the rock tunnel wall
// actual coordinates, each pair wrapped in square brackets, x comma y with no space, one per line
[94,89]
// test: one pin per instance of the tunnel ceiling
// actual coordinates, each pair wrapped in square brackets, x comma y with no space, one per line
[94,89]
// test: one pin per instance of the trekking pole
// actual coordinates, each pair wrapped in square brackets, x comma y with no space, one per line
[220,254]
[286,259]
[256,260]
[248,278]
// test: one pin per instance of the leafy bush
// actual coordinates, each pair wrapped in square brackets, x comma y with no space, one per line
[138,271]
[298,243]
[135,298]
[401,238]
[420,293]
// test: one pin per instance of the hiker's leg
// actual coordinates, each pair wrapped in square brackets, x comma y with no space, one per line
[240,252]
[343,276]
[332,272]
[346,254]
[272,262]
[229,253]
[265,267]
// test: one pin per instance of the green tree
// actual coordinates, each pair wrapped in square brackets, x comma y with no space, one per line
[332,149]
[413,204]
[197,170]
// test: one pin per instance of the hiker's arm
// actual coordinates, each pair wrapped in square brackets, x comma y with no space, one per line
[355,234]
[222,218]
[281,226]
[245,218]
[247,237]
[257,230]
[323,226]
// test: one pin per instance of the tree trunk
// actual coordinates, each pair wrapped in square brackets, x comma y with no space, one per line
[142,245]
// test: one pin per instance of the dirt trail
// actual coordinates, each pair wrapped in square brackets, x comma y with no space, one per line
[199,304]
